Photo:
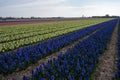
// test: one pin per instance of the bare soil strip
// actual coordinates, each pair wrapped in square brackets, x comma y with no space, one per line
[27,71]
[105,69]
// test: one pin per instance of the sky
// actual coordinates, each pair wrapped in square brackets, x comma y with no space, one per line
[58,8]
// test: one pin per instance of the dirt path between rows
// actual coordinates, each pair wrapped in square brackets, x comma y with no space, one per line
[105,69]
[27,71]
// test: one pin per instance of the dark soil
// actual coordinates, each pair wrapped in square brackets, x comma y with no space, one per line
[105,69]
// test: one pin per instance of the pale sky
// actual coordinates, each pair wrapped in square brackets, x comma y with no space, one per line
[58,8]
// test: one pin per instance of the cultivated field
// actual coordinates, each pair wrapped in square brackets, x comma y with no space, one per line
[85,49]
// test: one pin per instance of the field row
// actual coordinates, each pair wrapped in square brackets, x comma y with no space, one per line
[117,75]
[22,58]
[16,37]
[76,63]
[22,29]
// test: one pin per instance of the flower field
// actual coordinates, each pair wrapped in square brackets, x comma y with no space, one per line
[22,46]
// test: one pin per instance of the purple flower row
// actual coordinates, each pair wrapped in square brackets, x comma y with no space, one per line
[77,63]
[21,58]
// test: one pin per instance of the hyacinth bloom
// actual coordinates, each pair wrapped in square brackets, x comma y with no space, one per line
[77,63]
[21,58]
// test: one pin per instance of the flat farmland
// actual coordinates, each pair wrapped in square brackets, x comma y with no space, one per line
[27,21]
[12,37]
[59,50]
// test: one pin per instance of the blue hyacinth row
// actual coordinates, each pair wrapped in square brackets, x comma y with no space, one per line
[21,58]
[117,75]
[77,63]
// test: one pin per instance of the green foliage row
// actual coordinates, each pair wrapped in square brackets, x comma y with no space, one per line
[12,37]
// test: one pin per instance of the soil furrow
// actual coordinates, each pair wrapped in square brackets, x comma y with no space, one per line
[105,69]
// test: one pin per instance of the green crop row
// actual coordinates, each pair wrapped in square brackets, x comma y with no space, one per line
[22,29]
[9,38]
[13,41]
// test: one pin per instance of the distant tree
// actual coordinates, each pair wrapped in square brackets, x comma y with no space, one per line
[32,17]
[107,16]
[22,18]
